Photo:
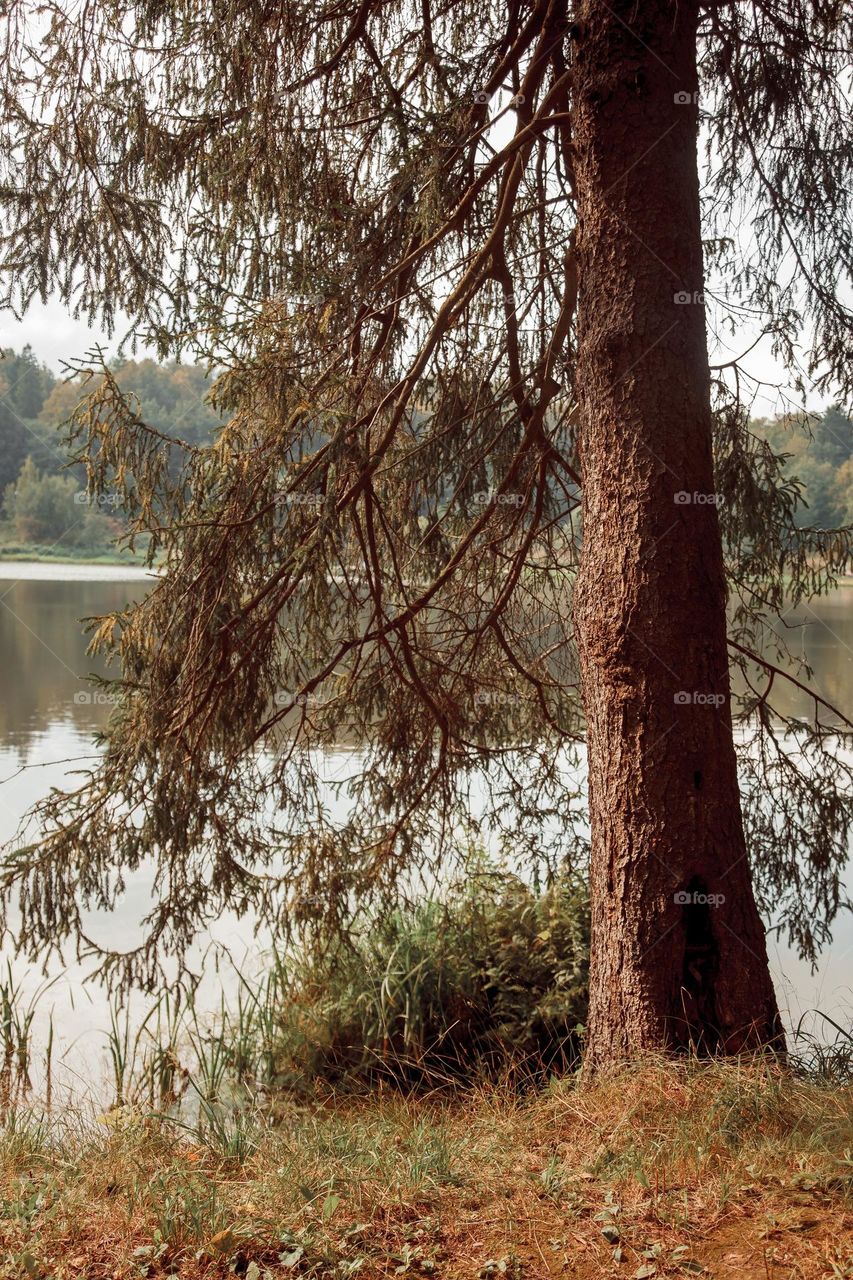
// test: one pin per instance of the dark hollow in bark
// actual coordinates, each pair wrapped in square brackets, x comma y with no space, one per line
[679,960]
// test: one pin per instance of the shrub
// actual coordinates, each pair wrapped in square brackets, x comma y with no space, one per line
[491,979]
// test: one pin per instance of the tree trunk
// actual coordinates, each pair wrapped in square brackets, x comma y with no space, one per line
[678,950]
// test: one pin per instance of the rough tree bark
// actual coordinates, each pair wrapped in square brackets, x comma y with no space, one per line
[678,948]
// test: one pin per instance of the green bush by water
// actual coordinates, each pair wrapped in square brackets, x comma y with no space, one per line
[492,979]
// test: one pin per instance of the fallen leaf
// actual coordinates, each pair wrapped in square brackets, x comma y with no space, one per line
[223,1241]
[290,1259]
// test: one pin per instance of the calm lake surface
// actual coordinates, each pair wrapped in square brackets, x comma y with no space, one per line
[48,713]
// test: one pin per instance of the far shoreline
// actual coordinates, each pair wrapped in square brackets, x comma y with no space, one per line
[23,568]
[24,565]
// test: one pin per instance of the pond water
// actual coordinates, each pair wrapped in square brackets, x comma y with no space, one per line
[48,713]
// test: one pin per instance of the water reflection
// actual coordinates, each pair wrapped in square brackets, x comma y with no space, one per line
[48,715]
[821,633]
[43,657]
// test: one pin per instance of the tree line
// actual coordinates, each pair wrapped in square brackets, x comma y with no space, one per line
[42,491]
[43,499]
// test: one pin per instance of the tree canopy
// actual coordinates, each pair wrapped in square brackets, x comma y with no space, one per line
[364,217]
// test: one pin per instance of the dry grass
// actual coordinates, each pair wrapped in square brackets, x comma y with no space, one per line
[722,1170]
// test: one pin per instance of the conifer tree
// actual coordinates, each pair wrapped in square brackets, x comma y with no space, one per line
[453,262]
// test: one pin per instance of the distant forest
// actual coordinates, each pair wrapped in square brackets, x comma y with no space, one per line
[820,457]
[42,501]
